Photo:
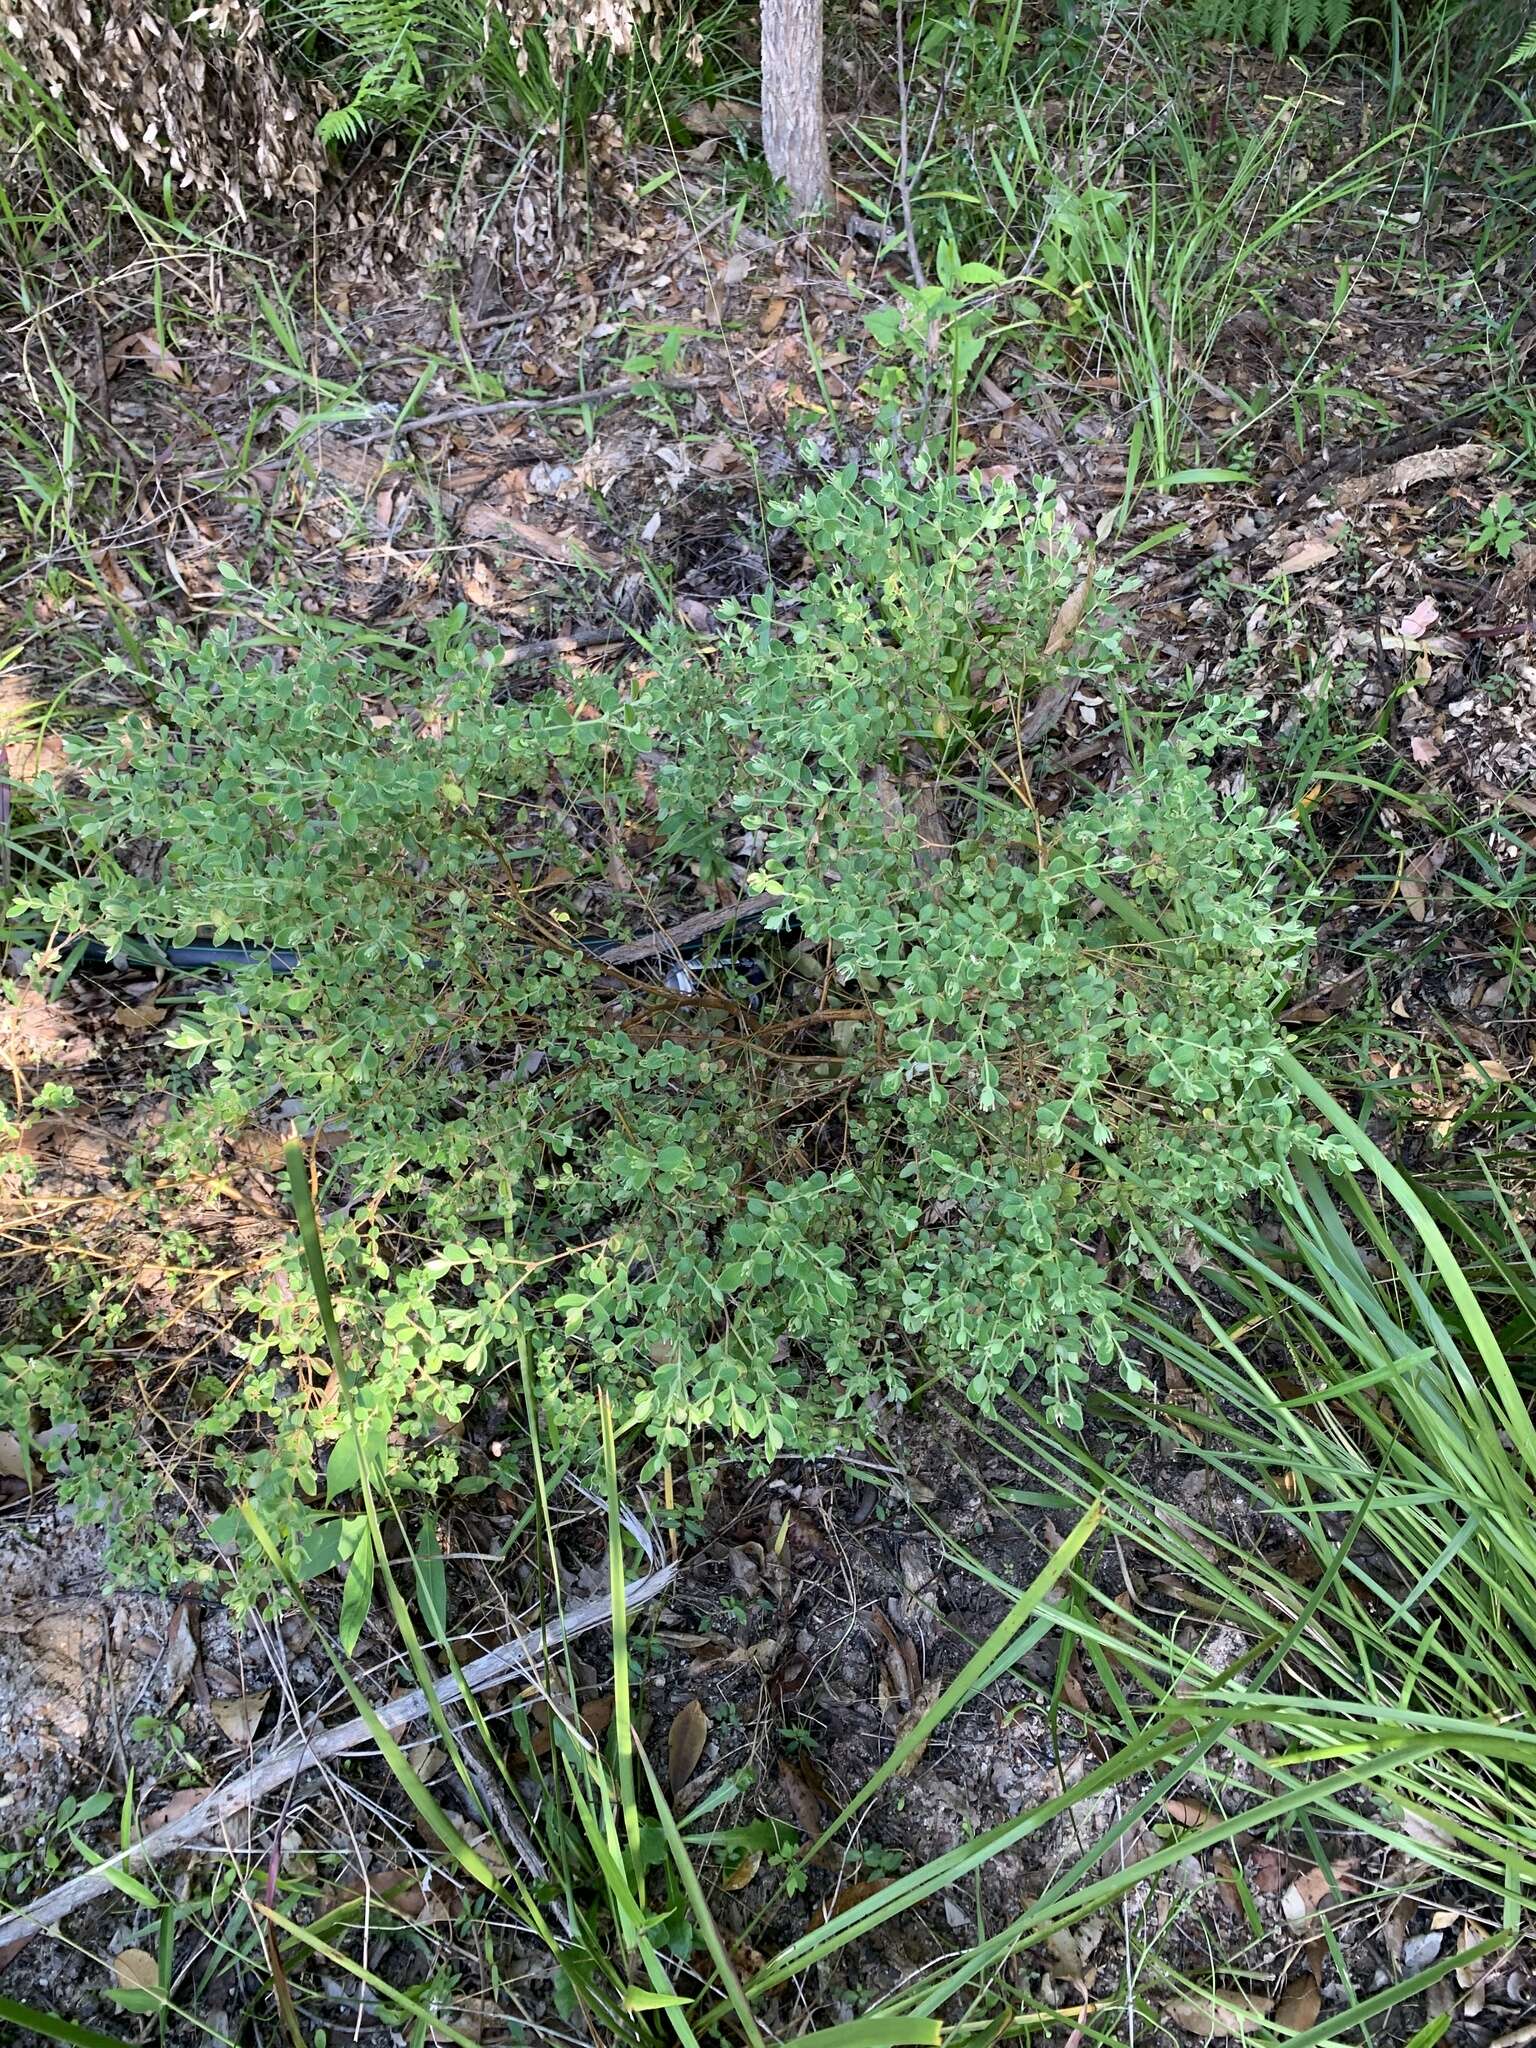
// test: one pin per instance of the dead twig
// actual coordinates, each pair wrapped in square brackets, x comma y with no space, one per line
[584,640]
[306,1752]
[562,401]
[904,151]
[680,935]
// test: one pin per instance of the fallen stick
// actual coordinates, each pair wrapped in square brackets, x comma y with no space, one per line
[584,640]
[546,401]
[685,934]
[307,1751]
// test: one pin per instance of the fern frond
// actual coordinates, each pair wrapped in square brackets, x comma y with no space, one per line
[1338,18]
[1282,24]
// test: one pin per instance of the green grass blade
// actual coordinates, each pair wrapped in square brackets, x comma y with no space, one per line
[70,2032]
[705,1920]
[623,1719]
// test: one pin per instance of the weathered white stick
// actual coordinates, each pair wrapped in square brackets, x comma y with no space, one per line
[305,1751]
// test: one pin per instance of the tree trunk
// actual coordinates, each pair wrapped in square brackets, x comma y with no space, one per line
[794,117]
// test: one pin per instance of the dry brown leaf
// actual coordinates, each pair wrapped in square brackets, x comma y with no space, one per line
[1300,2003]
[37,1032]
[37,754]
[180,1655]
[741,1874]
[596,1714]
[13,1463]
[1311,554]
[1303,1895]
[747,1561]
[1226,2015]
[240,1718]
[147,348]
[137,1018]
[117,578]
[400,1890]
[922,1700]
[1189,1813]
[1071,1949]
[1420,1829]
[719,458]
[772,315]
[1488,1069]
[1413,885]
[841,1901]
[1472,1978]
[804,1806]
[685,1744]
[427,1760]
[173,1809]
[479,585]
[1069,618]
[1415,624]
[135,1969]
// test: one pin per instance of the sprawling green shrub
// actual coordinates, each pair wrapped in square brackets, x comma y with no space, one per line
[971,1076]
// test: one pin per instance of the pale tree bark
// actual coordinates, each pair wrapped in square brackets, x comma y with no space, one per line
[794,115]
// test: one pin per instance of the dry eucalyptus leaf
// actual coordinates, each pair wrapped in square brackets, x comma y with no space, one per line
[1300,2003]
[685,1744]
[240,1718]
[1069,618]
[180,1655]
[1414,884]
[1486,1069]
[1311,554]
